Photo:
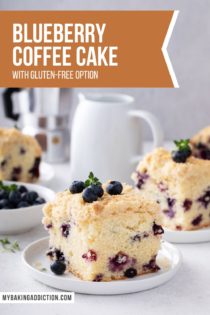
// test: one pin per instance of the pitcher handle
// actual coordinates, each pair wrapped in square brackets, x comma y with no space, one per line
[155,126]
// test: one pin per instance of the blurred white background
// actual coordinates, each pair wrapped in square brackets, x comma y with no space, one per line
[181,111]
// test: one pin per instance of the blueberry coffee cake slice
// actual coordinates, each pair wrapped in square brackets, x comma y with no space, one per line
[20,156]
[201,144]
[179,183]
[102,232]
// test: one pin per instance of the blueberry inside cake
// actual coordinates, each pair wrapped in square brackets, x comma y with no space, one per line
[20,156]
[179,183]
[201,144]
[102,232]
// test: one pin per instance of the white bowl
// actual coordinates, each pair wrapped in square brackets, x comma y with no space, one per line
[14,221]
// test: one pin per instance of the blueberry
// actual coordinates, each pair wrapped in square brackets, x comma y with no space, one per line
[65,228]
[171,202]
[39,201]
[187,204]
[3,194]
[16,172]
[205,198]
[98,277]
[56,254]
[50,253]
[151,265]
[114,188]
[58,267]
[118,262]
[3,164]
[98,190]
[77,187]
[169,212]
[141,179]
[59,255]
[90,255]
[197,220]
[130,273]
[89,195]
[203,151]
[4,204]
[23,204]
[187,152]
[205,154]
[24,196]
[201,146]
[157,229]
[14,197]
[22,150]
[136,238]
[180,156]
[22,189]
[34,171]
[31,196]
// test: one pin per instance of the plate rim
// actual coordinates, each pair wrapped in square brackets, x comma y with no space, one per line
[105,284]
[188,237]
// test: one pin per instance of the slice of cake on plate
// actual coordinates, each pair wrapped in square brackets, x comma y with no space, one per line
[201,144]
[20,156]
[102,233]
[180,183]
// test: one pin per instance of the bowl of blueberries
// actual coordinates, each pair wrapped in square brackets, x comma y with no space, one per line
[21,206]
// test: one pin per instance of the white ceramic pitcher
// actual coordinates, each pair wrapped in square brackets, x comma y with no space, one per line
[107,136]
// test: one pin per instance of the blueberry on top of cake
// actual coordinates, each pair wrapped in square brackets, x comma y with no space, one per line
[103,232]
[181,188]
[183,151]
[20,156]
[201,144]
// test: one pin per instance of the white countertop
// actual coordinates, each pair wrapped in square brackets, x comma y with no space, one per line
[187,293]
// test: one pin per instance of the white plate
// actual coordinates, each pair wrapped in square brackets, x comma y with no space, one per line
[197,236]
[46,172]
[14,221]
[34,258]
